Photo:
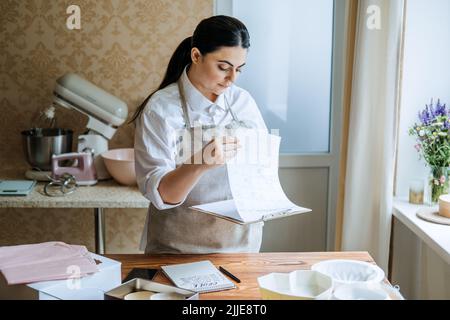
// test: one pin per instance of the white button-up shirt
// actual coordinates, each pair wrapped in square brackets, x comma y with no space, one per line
[161,119]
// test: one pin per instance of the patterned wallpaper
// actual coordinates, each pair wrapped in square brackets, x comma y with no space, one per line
[123,47]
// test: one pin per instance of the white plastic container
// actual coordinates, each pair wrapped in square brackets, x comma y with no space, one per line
[360,292]
[297,285]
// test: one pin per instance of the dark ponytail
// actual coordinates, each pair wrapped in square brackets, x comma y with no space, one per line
[210,34]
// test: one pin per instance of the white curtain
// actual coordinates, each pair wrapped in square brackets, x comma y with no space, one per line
[372,129]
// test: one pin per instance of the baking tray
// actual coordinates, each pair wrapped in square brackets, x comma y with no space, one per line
[139,284]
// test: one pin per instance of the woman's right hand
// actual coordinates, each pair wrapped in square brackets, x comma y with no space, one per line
[217,152]
[175,185]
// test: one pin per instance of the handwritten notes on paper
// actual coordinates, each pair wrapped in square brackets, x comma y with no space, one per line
[253,177]
[254,182]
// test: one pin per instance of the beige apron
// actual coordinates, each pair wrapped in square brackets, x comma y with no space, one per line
[183,230]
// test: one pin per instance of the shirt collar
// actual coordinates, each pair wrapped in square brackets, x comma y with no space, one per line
[195,99]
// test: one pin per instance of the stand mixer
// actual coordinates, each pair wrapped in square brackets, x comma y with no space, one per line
[104,111]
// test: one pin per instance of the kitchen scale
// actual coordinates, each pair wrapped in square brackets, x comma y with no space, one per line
[16,187]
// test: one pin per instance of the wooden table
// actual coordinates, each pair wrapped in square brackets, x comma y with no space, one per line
[247,267]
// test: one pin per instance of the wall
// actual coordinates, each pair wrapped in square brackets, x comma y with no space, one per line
[124,47]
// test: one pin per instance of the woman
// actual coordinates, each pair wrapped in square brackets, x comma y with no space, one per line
[197,90]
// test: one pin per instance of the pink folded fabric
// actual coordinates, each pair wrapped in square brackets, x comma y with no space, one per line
[36,253]
[45,261]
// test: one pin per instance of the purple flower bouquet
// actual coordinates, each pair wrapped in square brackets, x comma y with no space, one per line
[433,145]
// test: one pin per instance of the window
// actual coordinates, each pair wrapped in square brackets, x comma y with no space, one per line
[288,69]
[426,76]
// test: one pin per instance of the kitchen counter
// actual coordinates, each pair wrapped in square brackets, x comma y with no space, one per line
[105,194]
[436,236]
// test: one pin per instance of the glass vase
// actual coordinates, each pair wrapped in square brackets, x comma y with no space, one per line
[438,184]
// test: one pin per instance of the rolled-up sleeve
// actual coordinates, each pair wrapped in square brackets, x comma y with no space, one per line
[155,151]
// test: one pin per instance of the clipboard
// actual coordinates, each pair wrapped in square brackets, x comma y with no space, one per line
[227,210]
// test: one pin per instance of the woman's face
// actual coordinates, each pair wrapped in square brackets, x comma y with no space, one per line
[214,72]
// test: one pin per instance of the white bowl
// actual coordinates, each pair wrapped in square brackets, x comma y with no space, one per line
[297,285]
[120,165]
[350,271]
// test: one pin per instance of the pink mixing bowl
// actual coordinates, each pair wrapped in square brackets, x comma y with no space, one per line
[120,165]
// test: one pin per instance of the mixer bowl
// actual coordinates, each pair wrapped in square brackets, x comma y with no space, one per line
[39,144]
[120,164]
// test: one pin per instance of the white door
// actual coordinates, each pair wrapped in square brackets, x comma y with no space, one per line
[294,73]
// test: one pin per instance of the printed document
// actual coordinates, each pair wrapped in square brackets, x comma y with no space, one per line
[254,182]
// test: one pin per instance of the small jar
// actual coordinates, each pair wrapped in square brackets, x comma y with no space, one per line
[416,191]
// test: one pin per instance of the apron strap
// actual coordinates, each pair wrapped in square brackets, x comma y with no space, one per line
[235,118]
[186,113]
[187,120]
